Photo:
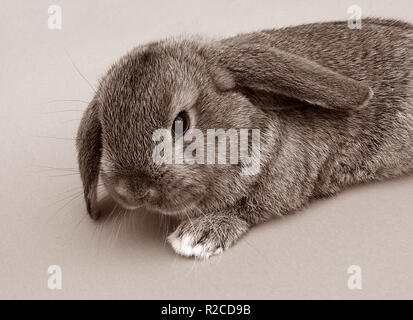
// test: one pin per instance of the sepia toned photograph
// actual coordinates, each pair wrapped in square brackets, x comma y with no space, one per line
[206,150]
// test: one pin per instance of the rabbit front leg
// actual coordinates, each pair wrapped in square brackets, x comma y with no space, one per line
[207,235]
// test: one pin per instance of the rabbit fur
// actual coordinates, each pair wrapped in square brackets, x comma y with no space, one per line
[334,107]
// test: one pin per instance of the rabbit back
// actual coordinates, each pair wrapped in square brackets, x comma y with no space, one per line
[339,149]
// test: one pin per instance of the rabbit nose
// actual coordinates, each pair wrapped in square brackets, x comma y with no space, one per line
[122,190]
[141,194]
[143,186]
[135,193]
[148,192]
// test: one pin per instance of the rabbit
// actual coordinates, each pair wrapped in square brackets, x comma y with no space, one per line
[334,107]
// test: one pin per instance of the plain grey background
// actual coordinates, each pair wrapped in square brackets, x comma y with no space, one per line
[43,218]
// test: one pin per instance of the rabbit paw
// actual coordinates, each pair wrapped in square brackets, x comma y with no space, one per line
[206,236]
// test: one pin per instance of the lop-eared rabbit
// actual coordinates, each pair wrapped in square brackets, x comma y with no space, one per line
[333,105]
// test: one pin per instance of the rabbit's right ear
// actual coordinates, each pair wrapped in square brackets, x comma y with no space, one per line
[269,69]
[89,146]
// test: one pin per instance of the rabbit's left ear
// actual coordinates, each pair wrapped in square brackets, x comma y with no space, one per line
[89,145]
[273,70]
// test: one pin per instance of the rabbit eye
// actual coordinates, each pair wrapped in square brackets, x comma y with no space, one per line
[181,123]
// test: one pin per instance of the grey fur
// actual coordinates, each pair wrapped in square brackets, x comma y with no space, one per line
[334,106]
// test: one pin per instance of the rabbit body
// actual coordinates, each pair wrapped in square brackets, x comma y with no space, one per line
[340,112]
[323,151]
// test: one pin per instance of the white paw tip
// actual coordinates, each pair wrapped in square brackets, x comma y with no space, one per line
[187,246]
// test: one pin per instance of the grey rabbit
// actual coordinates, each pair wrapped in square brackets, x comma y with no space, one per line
[334,107]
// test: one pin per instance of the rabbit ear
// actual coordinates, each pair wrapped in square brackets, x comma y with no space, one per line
[273,70]
[89,146]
